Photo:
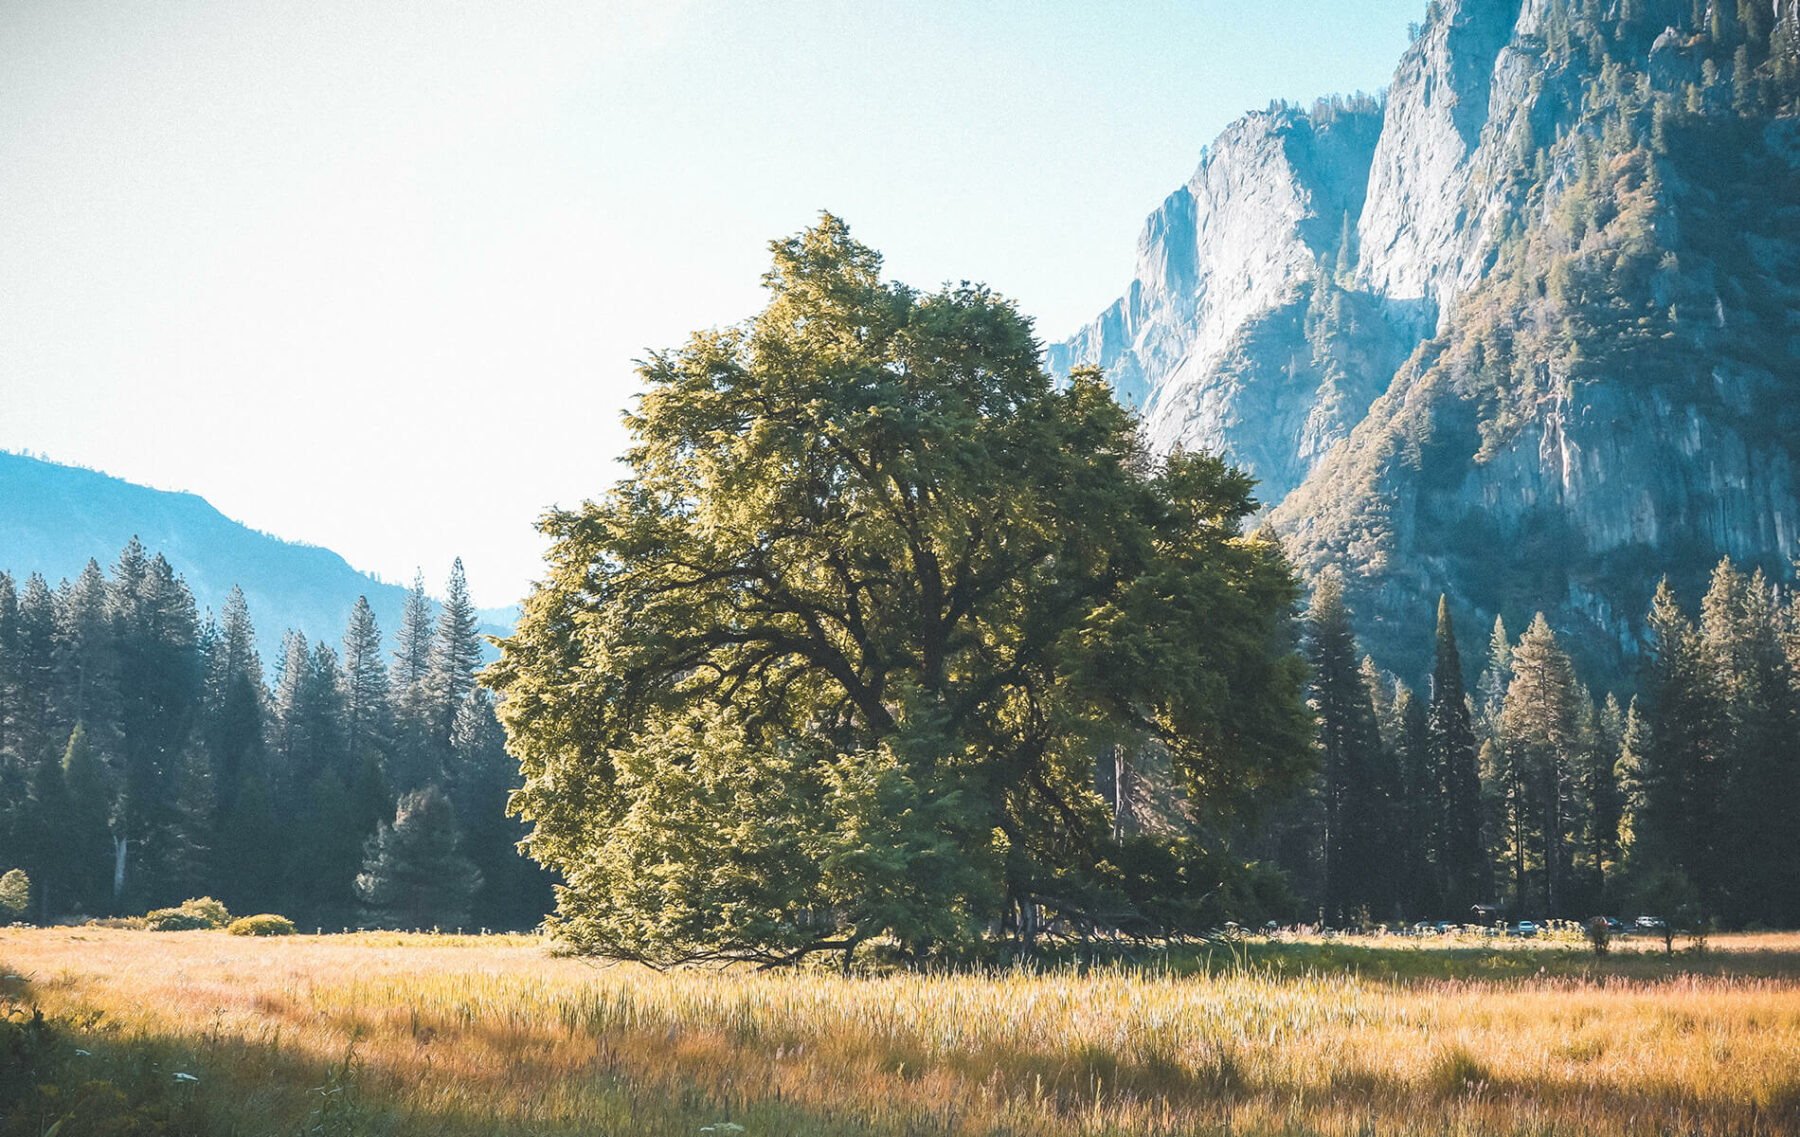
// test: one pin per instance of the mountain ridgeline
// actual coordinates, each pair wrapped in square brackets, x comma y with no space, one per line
[55,518]
[1525,330]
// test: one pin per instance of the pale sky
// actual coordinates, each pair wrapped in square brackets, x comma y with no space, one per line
[372,275]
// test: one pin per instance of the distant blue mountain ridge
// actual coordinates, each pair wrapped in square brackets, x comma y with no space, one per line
[54,518]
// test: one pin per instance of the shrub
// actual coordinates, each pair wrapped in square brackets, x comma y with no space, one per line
[267,924]
[15,894]
[195,915]
[211,909]
[176,920]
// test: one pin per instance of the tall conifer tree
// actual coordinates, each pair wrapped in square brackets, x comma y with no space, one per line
[1679,827]
[455,655]
[368,715]
[1461,856]
[1350,743]
[415,760]
[1541,729]
[90,837]
[1496,676]
[1755,749]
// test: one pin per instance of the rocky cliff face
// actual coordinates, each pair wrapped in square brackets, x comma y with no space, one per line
[1526,332]
[1208,341]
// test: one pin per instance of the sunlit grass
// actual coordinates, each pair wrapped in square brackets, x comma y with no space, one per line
[493,1035]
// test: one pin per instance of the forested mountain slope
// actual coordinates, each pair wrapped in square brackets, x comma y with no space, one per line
[1526,330]
[54,518]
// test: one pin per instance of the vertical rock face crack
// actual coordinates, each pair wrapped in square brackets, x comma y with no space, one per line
[1301,305]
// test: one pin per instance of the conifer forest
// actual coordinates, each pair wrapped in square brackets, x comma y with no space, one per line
[147,755]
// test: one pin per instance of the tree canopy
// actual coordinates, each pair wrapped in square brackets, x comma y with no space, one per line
[837,657]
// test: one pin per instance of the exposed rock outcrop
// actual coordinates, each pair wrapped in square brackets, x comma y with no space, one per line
[1526,332]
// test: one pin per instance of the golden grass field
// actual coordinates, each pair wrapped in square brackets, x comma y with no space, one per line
[200,1032]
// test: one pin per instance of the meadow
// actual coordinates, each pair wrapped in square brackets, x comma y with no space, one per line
[204,1033]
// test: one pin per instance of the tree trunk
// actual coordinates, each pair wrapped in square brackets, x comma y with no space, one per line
[121,849]
[1121,799]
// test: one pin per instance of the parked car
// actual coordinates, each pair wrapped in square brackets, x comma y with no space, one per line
[1650,924]
[1616,927]
[1525,928]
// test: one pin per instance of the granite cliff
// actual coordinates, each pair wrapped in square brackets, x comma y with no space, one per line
[1526,330]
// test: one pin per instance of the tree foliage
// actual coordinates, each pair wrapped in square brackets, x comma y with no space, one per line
[15,894]
[871,600]
[413,875]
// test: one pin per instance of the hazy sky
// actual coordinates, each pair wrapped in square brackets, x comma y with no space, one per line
[372,275]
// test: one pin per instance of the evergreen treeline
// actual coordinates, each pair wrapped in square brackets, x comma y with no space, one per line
[143,758]
[1530,793]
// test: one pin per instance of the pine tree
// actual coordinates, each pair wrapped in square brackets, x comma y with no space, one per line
[1755,754]
[86,659]
[517,893]
[309,717]
[35,668]
[1350,743]
[1419,809]
[1490,689]
[1723,25]
[1383,692]
[237,706]
[368,716]
[1461,855]
[413,875]
[1540,727]
[160,691]
[1678,828]
[1753,20]
[455,656]
[1746,92]
[89,829]
[412,657]
[1608,797]
[415,760]
[1628,776]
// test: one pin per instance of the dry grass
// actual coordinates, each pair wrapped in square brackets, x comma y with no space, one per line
[487,1036]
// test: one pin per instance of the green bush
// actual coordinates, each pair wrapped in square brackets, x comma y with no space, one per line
[195,915]
[205,906]
[266,924]
[15,894]
[175,920]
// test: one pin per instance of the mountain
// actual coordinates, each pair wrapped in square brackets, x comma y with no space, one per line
[1524,330]
[53,518]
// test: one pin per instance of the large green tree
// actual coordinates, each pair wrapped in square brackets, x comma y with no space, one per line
[836,659]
